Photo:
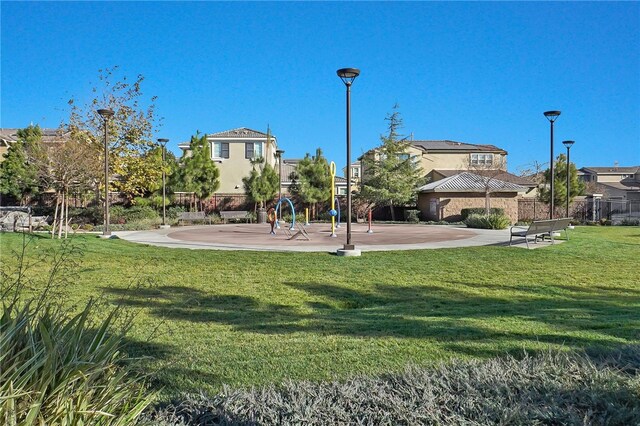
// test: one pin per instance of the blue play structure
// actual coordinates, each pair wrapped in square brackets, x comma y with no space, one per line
[293,213]
[338,212]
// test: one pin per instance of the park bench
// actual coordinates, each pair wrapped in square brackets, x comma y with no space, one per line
[235,214]
[192,217]
[540,229]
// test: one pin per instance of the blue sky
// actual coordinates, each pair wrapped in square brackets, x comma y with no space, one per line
[471,72]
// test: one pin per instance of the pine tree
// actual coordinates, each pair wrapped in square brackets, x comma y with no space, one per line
[312,180]
[199,172]
[262,184]
[560,183]
[390,175]
[18,175]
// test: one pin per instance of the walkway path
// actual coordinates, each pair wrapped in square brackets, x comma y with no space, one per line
[257,237]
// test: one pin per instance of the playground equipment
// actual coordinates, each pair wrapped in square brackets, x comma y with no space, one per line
[332,212]
[293,214]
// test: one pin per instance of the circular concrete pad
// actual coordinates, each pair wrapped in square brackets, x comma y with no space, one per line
[257,237]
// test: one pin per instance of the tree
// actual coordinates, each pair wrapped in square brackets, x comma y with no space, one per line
[560,183]
[62,166]
[312,180]
[488,177]
[199,173]
[533,171]
[18,175]
[130,131]
[390,175]
[261,185]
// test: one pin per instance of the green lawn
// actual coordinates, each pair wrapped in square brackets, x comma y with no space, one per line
[250,318]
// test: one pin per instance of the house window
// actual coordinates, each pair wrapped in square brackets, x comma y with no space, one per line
[342,190]
[252,150]
[403,157]
[355,172]
[221,150]
[481,159]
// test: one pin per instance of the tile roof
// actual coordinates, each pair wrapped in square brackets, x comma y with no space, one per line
[470,182]
[239,133]
[289,166]
[447,145]
[504,176]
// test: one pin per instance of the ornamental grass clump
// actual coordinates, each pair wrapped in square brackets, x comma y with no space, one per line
[492,221]
[60,369]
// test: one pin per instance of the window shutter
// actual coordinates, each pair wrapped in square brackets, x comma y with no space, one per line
[224,149]
[248,150]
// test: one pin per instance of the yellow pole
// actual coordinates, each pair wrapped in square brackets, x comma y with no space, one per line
[332,169]
[306,215]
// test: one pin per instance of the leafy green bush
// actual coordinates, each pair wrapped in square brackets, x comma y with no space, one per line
[492,221]
[465,213]
[550,388]
[58,369]
[174,211]
[412,216]
[135,213]
[138,225]
[630,222]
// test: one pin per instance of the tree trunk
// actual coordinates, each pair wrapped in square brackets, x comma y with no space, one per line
[487,203]
[55,217]
[62,217]
[66,214]
[393,213]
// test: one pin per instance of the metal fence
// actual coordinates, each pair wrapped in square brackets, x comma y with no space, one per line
[584,210]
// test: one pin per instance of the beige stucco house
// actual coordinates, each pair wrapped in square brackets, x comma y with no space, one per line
[614,183]
[49,136]
[233,150]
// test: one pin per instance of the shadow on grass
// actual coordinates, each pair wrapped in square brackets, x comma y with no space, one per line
[455,316]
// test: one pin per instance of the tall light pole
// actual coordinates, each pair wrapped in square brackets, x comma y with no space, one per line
[279,153]
[163,142]
[348,75]
[552,116]
[106,115]
[568,144]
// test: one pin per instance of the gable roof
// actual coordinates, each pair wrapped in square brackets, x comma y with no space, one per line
[48,135]
[470,182]
[503,176]
[447,145]
[611,170]
[239,133]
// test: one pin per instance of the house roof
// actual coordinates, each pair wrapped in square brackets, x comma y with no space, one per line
[239,133]
[470,182]
[447,145]
[503,176]
[625,185]
[611,170]
[9,136]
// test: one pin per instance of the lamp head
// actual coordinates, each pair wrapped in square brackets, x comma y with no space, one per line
[163,141]
[568,143]
[552,115]
[347,75]
[279,152]
[106,113]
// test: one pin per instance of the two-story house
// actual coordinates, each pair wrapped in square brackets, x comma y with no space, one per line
[613,183]
[233,150]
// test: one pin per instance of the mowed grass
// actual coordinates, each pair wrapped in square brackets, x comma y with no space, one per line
[253,318]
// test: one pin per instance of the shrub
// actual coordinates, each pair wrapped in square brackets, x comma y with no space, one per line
[550,388]
[136,213]
[58,369]
[465,213]
[630,222]
[412,216]
[174,211]
[487,222]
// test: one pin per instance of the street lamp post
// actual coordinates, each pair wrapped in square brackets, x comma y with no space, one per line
[163,142]
[568,144]
[279,153]
[348,75]
[106,115]
[552,116]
